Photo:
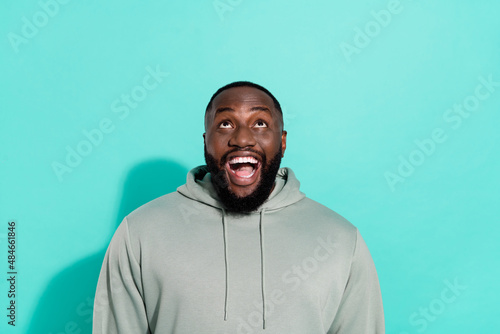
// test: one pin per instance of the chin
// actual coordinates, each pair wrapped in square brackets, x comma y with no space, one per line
[243,200]
[242,192]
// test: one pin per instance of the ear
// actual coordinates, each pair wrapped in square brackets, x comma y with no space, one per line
[283,143]
[204,139]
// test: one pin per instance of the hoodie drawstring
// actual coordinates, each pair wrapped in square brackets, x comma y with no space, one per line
[262,266]
[224,232]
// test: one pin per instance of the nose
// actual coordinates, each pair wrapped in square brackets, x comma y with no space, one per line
[242,137]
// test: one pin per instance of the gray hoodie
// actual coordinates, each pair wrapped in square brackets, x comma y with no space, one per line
[183,264]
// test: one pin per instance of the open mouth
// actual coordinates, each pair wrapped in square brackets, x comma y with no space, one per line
[243,169]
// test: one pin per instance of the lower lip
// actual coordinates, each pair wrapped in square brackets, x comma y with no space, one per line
[242,181]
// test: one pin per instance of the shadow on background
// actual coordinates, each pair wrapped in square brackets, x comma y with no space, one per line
[67,303]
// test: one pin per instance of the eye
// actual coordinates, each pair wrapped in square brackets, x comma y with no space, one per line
[225,125]
[260,124]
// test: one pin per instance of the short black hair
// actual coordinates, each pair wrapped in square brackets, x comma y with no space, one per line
[244,84]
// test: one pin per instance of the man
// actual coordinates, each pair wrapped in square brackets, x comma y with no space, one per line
[238,248]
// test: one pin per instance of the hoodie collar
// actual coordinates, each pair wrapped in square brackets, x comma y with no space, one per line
[199,187]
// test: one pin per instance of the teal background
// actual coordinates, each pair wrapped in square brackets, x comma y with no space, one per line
[350,119]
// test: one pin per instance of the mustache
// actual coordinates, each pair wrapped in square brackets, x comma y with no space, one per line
[223,159]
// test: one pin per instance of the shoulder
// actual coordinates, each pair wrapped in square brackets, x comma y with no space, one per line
[160,204]
[323,214]
[164,211]
[314,218]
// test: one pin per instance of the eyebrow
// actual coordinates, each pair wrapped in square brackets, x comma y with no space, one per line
[257,108]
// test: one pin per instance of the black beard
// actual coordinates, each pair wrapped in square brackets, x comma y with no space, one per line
[251,202]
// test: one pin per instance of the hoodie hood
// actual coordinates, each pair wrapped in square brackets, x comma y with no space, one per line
[199,187]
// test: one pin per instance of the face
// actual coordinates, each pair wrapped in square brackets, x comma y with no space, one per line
[244,144]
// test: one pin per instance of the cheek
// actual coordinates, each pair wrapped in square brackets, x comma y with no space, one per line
[214,145]
[270,140]
[271,149]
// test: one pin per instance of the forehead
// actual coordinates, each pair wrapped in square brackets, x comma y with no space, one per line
[241,98]
[242,95]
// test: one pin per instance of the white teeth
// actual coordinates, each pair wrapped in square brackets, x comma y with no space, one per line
[239,160]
